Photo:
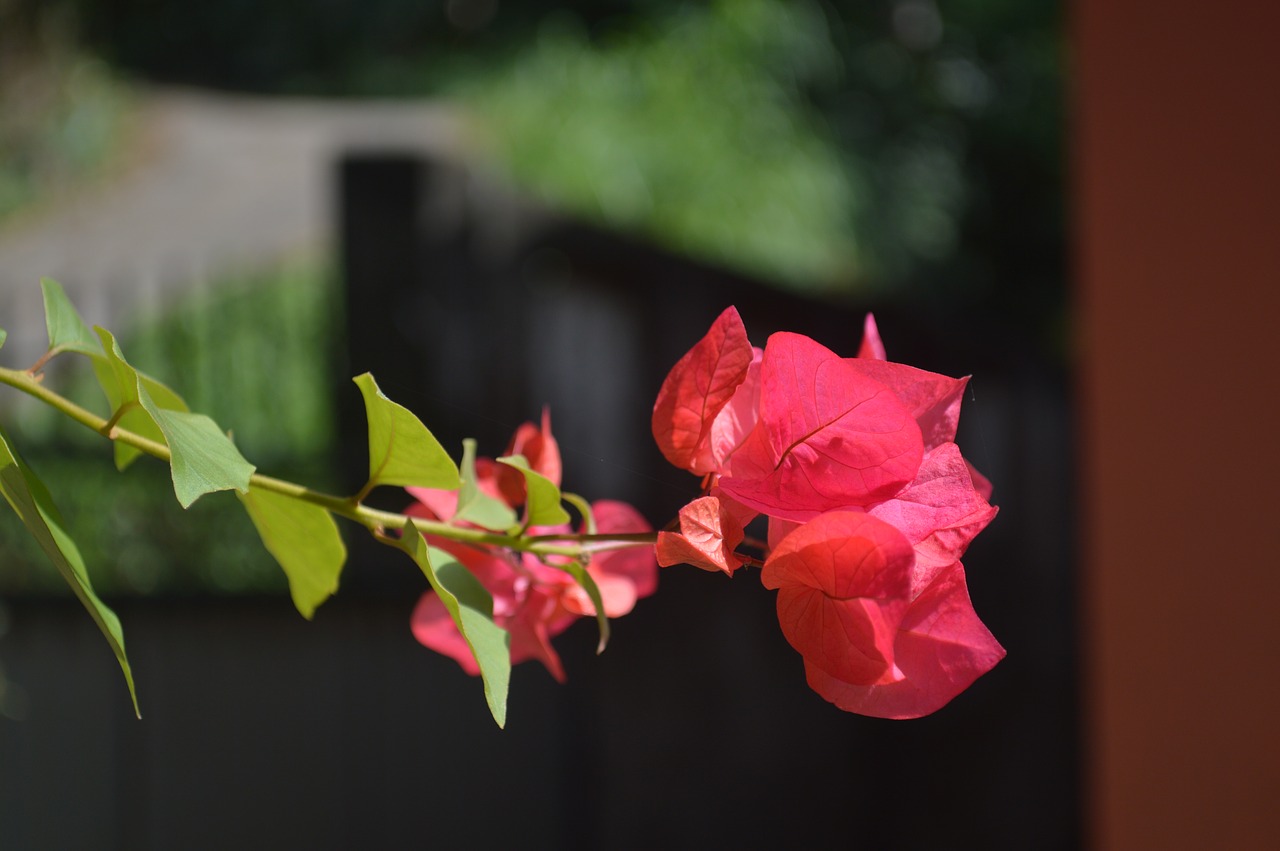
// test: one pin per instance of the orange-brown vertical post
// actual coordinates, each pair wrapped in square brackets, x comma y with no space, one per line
[1176,151]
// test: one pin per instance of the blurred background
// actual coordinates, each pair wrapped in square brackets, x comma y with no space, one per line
[495,206]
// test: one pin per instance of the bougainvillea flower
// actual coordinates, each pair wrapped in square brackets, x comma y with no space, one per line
[870,506]
[871,347]
[697,389]
[940,649]
[527,609]
[709,534]
[827,436]
[623,576]
[533,601]
[843,581]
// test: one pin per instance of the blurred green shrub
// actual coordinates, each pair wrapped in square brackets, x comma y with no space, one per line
[63,114]
[693,127]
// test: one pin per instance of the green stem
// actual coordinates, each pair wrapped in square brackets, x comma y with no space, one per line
[375,520]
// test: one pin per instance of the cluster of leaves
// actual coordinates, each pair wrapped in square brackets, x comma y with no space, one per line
[237,363]
[296,525]
[869,504]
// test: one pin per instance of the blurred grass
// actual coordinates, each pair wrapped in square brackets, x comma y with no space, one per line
[253,353]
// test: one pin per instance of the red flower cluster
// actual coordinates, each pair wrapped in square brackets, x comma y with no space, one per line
[870,507]
[533,601]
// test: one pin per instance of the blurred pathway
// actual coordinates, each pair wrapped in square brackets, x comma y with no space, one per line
[226,184]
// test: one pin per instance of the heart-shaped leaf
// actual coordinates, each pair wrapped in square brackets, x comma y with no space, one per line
[402,451]
[304,540]
[476,506]
[202,458]
[542,500]
[67,331]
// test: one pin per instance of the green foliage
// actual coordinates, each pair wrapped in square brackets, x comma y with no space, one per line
[402,451]
[583,578]
[67,331]
[305,541]
[30,499]
[542,503]
[203,459]
[251,351]
[694,129]
[471,608]
[474,505]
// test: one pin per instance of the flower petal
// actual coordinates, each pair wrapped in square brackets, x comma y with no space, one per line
[635,564]
[933,399]
[697,388]
[434,628]
[843,580]
[872,347]
[707,538]
[828,436]
[941,648]
[939,513]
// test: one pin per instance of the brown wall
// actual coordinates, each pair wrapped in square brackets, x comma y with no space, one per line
[1177,198]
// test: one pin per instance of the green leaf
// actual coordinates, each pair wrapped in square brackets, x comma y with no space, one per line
[30,499]
[583,578]
[471,608]
[67,331]
[584,508]
[401,449]
[119,381]
[542,501]
[4,335]
[202,458]
[476,506]
[304,540]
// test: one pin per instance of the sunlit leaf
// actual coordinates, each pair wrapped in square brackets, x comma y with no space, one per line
[305,541]
[401,449]
[476,506]
[67,331]
[471,608]
[588,584]
[584,508]
[119,380]
[542,502]
[4,335]
[30,499]
[203,459]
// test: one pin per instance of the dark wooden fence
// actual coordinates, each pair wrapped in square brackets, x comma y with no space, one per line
[475,309]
